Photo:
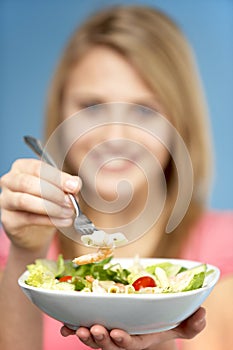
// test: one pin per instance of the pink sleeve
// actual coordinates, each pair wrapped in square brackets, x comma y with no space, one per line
[211,241]
[4,248]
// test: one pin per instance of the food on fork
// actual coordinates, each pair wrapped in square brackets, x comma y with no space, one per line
[103,239]
[100,255]
[106,242]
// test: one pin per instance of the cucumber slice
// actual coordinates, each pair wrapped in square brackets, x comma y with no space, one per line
[161,278]
[169,268]
[188,280]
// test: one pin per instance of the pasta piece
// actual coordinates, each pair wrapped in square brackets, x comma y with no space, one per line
[114,289]
[129,289]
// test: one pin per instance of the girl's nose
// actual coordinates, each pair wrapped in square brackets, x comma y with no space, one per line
[116,130]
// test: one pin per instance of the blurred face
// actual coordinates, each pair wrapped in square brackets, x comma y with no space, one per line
[118,147]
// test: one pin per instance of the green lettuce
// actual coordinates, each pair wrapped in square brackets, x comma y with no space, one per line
[169,278]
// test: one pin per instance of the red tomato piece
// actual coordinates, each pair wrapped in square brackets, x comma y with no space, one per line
[143,282]
[65,279]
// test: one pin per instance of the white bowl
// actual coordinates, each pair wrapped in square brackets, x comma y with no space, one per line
[135,313]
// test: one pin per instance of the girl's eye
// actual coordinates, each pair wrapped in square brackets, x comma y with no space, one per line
[95,112]
[144,110]
[95,107]
[91,105]
[141,111]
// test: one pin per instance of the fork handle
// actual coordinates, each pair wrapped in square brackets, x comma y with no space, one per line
[37,148]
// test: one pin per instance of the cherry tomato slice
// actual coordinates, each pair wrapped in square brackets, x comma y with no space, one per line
[143,282]
[65,279]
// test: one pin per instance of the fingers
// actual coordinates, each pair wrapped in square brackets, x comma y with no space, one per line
[99,337]
[22,201]
[25,173]
[26,183]
[65,331]
[24,190]
[22,209]
[94,340]
[192,326]
[35,193]
[186,330]
[96,337]
[126,341]
[13,222]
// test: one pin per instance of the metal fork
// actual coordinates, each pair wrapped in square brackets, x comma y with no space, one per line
[82,224]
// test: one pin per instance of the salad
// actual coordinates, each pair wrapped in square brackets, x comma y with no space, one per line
[108,276]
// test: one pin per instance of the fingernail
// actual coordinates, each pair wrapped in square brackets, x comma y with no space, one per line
[72,184]
[199,325]
[201,321]
[67,201]
[118,339]
[99,337]
[84,339]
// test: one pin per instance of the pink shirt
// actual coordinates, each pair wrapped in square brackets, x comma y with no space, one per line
[210,241]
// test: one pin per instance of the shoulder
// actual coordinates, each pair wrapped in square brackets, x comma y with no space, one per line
[211,240]
[215,226]
[219,218]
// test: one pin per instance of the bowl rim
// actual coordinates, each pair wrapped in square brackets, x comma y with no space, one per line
[149,296]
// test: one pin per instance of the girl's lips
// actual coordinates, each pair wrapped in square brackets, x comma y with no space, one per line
[117,165]
[114,162]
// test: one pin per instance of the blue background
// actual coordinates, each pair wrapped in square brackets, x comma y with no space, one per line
[33,34]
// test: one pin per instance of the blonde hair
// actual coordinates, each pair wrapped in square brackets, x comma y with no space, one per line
[160,53]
